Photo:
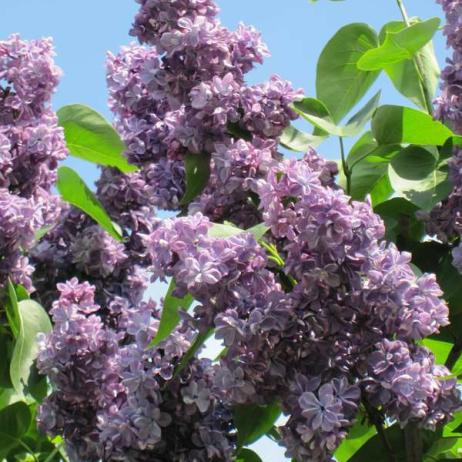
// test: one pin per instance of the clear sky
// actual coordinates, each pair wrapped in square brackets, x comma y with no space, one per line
[295,31]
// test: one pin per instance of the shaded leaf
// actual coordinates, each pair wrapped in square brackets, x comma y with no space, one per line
[253,421]
[416,175]
[14,422]
[197,168]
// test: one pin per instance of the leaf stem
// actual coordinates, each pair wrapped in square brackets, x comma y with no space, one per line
[454,354]
[345,167]
[419,65]
[28,449]
[376,420]
[413,442]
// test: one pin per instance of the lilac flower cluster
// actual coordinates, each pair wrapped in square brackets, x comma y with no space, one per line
[186,94]
[31,144]
[77,246]
[335,326]
[445,220]
[329,325]
[116,400]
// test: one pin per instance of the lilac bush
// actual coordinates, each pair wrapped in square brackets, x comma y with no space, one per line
[319,316]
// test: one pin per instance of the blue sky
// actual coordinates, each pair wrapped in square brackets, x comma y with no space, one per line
[295,31]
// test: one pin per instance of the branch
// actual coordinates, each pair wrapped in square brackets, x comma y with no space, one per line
[377,421]
[413,441]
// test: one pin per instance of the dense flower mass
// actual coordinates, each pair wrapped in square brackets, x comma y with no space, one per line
[323,318]
[31,144]
[116,400]
[339,328]
[186,94]
[445,220]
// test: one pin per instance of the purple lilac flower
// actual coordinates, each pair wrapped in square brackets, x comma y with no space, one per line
[350,292]
[31,144]
[114,399]
[444,220]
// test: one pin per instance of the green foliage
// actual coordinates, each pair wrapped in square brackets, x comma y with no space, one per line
[14,423]
[170,317]
[339,82]
[197,176]
[33,320]
[399,45]
[90,137]
[253,421]
[397,124]
[298,141]
[247,455]
[317,113]
[74,190]
[418,175]
[359,434]
[408,78]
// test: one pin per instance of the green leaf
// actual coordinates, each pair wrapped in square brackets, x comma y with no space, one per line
[367,176]
[5,354]
[405,75]
[358,435]
[90,137]
[397,124]
[360,119]
[416,175]
[170,318]
[253,421]
[373,449]
[366,149]
[74,190]
[399,46]
[339,82]
[400,219]
[223,231]
[439,348]
[197,168]
[316,113]
[14,422]
[33,320]
[298,141]
[443,449]
[258,231]
[12,311]
[247,455]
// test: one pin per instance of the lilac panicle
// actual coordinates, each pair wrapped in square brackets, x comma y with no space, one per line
[31,145]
